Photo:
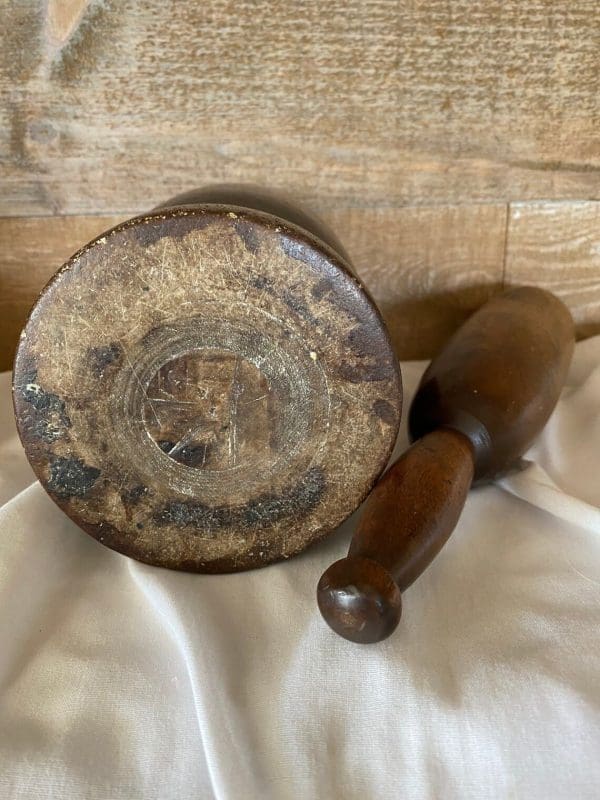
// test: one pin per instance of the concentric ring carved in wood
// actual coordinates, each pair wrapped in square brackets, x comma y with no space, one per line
[207,389]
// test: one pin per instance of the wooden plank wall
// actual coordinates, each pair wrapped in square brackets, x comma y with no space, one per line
[454,147]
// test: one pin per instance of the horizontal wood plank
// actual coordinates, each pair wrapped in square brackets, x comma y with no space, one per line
[428,268]
[349,104]
[557,246]
[31,250]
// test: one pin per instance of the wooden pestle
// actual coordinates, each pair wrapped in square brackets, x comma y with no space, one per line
[479,406]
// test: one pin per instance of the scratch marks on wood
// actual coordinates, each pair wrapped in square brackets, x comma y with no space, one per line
[234,394]
[427,267]
[204,438]
[195,413]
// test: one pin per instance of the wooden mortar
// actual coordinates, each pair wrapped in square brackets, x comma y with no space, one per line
[208,387]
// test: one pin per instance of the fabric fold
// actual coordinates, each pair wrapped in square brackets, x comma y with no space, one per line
[121,681]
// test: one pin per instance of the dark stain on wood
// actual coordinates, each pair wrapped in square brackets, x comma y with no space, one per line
[294,301]
[371,363]
[42,401]
[71,477]
[261,512]
[384,411]
[321,288]
[248,234]
[153,230]
[297,249]
[263,283]
[292,297]
[132,496]
[47,419]
[102,357]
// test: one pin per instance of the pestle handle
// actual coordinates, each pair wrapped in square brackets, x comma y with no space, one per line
[406,520]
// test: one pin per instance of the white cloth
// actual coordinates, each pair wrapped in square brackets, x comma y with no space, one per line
[121,681]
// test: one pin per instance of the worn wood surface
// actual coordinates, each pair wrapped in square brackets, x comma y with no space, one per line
[207,389]
[557,246]
[31,250]
[428,268]
[349,104]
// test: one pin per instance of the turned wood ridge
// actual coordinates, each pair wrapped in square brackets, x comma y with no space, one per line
[479,406]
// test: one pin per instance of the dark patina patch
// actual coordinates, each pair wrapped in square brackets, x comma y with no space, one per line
[133,495]
[263,283]
[102,357]
[385,411]
[71,477]
[300,251]
[43,401]
[372,362]
[290,297]
[321,288]
[261,512]
[247,233]
[154,229]
[295,302]
[48,419]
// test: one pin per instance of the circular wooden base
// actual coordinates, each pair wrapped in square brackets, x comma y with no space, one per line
[206,388]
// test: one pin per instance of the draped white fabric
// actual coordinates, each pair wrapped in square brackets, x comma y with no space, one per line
[120,681]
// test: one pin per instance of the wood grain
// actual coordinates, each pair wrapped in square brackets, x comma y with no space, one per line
[31,250]
[557,246]
[350,105]
[428,268]
[204,389]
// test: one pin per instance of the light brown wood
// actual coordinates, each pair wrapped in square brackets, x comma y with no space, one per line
[428,268]
[557,246]
[31,250]
[407,126]
[63,18]
[347,105]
